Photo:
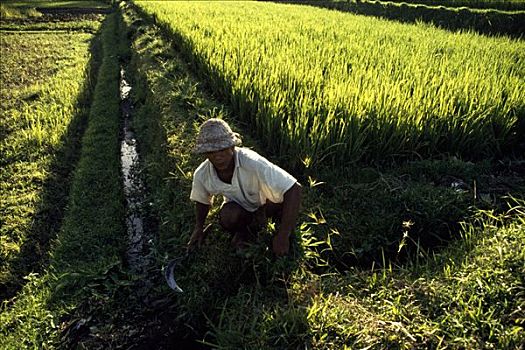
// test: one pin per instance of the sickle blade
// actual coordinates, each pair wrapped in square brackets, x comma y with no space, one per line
[169,275]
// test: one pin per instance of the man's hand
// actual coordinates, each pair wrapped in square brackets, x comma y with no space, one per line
[198,236]
[199,232]
[281,244]
[291,204]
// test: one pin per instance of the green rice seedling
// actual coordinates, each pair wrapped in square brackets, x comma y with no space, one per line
[335,87]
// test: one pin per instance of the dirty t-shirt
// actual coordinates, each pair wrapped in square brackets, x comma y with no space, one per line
[255,180]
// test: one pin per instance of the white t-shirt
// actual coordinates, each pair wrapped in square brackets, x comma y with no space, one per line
[255,179]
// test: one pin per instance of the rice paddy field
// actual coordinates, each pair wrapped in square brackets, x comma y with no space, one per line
[354,87]
[408,141]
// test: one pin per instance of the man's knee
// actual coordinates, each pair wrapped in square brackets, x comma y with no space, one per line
[273,210]
[233,217]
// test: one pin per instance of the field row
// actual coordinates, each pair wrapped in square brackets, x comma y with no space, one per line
[62,198]
[490,22]
[44,93]
[321,85]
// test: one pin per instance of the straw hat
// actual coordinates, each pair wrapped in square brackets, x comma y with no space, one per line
[215,135]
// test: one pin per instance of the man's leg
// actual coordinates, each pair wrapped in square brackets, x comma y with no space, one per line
[273,210]
[235,219]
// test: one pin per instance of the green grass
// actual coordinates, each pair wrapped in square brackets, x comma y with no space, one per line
[469,296]
[13,9]
[485,21]
[83,24]
[21,17]
[44,104]
[337,88]
[8,11]
[85,269]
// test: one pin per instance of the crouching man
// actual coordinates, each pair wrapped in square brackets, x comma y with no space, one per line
[253,189]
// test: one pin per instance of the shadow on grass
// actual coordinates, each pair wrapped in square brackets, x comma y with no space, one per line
[34,253]
[408,212]
[231,299]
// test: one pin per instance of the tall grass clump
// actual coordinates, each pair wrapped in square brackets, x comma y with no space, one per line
[322,86]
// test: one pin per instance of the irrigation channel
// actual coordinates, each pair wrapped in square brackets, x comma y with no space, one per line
[134,190]
[140,235]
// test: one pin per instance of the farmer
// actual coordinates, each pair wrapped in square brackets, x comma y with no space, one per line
[253,189]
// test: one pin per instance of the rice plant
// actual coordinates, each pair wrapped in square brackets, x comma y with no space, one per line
[328,86]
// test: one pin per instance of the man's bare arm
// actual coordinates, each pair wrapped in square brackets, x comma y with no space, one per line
[290,212]
[201,212]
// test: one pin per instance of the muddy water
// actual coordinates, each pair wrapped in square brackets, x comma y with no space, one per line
[134,189]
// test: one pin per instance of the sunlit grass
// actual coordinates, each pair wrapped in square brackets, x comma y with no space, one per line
[493,4]
[324,85]
[469,296]
[58,3]
[10,11]
[465,297]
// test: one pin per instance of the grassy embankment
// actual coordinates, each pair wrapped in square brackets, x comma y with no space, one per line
[84,270]
[461,297]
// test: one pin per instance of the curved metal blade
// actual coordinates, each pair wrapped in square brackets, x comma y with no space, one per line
[169,275]
[169,270]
